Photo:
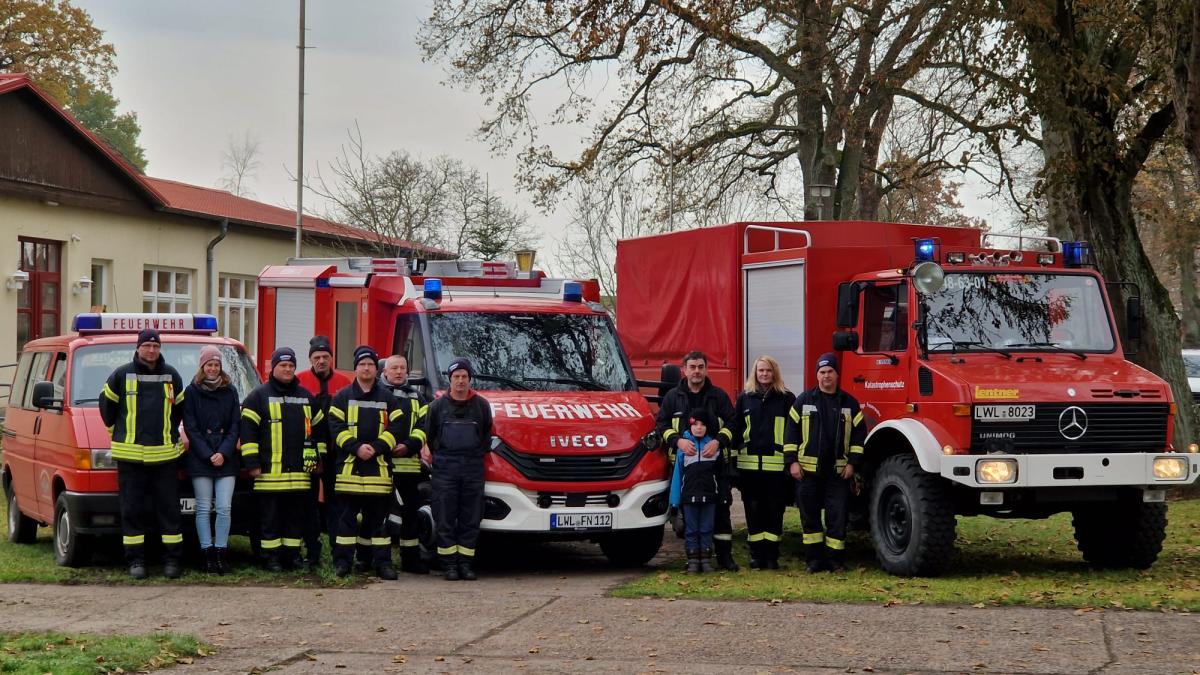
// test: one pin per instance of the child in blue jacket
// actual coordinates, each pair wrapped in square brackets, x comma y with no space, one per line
[699,492]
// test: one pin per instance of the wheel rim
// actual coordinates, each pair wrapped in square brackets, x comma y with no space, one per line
[62,533]
[12,517]
[895,518]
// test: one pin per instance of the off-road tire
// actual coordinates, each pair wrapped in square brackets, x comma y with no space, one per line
[1125,534]
[912,519]
[71,549]
[632,548]
[21,528]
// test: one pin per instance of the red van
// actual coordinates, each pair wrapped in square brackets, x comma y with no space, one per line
[57,468]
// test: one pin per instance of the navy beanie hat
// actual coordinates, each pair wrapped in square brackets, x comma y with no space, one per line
[282,355]
[365,352]
[461,363]
[828,359]
[148,335]
[320,343]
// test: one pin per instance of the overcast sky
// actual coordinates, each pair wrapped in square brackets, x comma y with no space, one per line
[198,72]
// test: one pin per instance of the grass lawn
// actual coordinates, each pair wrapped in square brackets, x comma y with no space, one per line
[35,563]
[36,653]
[1001,562]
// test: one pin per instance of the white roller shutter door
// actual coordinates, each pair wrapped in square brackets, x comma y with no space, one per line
[295,318]
[774,320]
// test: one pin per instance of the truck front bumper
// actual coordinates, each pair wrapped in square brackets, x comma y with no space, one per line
[1085,470]
[508,508]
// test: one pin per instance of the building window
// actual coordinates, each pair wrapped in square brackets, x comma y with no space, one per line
[101,284]
[165,289]
[237,300]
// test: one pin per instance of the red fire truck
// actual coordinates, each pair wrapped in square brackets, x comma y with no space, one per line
[574,452]
[993,380]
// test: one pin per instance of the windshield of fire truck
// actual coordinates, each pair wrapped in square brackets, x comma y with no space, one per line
[92,364]
[546,352]
[1018,311]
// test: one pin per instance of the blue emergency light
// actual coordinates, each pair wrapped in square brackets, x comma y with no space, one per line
[572,291]
[85,322]
[1076,253]
[433,289]
[926,249]
[204,323]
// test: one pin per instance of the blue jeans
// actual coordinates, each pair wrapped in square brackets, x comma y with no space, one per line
[203,486]
[698,526]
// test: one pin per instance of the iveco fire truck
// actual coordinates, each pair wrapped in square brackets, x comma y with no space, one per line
[993,379]
[574,451]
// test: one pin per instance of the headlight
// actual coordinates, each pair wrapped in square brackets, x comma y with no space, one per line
[102,459]
[996,471]
[1170,468]
[651,441]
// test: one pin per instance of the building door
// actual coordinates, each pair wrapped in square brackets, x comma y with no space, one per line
[39,302]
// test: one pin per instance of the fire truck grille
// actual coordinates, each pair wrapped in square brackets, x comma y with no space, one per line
[572,468]
[1087,427]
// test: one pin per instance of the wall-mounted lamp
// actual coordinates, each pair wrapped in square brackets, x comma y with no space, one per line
[16,281]
[82,286]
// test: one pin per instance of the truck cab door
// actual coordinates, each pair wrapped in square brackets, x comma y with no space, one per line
[876,373]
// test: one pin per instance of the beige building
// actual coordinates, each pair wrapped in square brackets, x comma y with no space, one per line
[82,230]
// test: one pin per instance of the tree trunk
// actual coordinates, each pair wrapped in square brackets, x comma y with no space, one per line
[1189,300]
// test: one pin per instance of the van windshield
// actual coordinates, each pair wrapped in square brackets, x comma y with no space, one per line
[92,364]
[1015,311]
[546,352]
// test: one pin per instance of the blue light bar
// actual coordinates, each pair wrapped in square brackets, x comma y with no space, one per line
[204,323]
[572,291]
[1076,253]
[85,322]
[433,289]
[925,249]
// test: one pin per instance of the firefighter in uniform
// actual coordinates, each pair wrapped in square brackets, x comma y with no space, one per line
[407,472]
[696,391]
[281,433]
[762,413]
[458,433]
[140,405]
[366,423]
[322,381]
[823,445]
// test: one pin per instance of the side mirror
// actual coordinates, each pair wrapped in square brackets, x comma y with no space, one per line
[669,377]
[1133,318]
[43,396]
[847,305]
[845,341]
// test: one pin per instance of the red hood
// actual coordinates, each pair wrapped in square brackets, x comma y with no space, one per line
[990,377]
[558,423]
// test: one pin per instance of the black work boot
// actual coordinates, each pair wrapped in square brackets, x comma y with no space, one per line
[834,561]
[271,561]
[172,569]
[410,561]
[465,569]
[137,569]
[341,568]
[772,555]
[450,568]
[210,560]
[725,555]
[386,571]
[757,559]
[693,562]
[706,558]
[221,559]
[815,555]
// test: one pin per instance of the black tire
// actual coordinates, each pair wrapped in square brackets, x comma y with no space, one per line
[912,519]
[632,548]
[21,528]
[71,549]
[1121,535]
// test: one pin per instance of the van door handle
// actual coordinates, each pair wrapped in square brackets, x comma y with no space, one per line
[37,426]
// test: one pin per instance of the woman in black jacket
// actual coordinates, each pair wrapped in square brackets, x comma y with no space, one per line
[210,419]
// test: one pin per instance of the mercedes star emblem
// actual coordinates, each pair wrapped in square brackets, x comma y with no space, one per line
[1072,423]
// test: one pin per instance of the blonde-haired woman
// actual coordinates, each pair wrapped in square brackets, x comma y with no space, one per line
[766,487]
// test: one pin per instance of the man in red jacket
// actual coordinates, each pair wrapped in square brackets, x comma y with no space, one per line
[322,381]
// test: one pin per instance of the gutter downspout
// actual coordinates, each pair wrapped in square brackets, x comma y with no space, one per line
[208,265]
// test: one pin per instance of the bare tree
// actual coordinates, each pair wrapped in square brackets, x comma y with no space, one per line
[239,164]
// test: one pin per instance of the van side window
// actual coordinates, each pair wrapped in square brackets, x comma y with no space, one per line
[37,373]
[885,318]
[58,374]
[16,395]
[409,342]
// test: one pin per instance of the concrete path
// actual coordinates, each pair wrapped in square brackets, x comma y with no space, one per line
[558,619]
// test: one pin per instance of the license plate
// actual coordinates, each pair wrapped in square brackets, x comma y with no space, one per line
[1005,413]
[581,521]
[187,505]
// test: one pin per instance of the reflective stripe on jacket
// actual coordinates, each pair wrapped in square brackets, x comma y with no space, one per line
[356,418]
[760,425]
[278,422]
[803,431]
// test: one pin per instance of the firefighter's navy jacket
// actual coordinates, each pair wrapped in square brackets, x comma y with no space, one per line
[140,405]
[373,417]
[760,424]
[805,431]
[415,407]
[677,405]
[278,422]
[445,413]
